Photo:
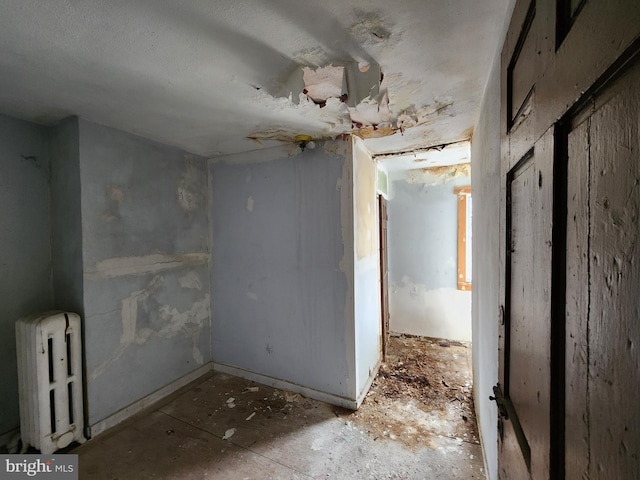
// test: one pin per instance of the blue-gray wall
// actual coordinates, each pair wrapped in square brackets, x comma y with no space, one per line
[280,300]
[66,217]
[422,254]
[25,253]
[146,266]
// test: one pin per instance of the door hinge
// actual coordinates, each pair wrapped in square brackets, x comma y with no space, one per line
[500,401]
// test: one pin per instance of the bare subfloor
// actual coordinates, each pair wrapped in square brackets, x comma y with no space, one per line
[417,422]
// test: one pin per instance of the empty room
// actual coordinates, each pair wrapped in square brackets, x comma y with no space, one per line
[226,225]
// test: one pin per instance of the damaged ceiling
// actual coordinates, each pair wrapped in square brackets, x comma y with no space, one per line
[223,77]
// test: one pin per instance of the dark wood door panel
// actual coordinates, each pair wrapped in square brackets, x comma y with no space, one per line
[602,32]
[614,305]
[526,348]
[569,364]
[602,380]
[577,294]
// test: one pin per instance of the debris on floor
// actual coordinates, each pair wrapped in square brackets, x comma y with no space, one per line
[410,426]
[423,390]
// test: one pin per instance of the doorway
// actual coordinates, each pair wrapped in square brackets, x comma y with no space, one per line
[424,388]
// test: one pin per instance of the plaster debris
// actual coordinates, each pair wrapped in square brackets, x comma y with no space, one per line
[250,416]
[229,433]
[251,389]
[250,204]
[291,397]
[231,403]
[317,444]
[409,401]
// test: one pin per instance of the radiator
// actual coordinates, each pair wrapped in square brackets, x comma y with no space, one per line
[49,349]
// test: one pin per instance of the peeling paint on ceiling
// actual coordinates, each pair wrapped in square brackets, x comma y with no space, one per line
[214,77]
[429,159]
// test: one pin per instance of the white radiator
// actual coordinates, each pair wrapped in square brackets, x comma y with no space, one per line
[49,349]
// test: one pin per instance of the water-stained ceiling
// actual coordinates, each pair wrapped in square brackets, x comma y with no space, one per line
[222,77]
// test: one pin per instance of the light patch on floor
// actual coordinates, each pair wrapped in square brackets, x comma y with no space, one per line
[271,433]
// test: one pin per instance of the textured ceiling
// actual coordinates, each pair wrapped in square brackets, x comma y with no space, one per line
[211,76]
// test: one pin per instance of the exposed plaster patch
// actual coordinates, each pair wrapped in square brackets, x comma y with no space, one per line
[371,111]
[323,83]
[367,103]
[119,266]
[197,355]
[250,204]
[190,280]
[437,175]
[365,179]
[114,198]
[128,318]
[188,321]
[451,171]
[374,132]
[406,120]
[190,188]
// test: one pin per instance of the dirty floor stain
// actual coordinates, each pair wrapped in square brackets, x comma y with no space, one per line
[410,426]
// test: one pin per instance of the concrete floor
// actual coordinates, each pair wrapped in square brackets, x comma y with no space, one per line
[225,427]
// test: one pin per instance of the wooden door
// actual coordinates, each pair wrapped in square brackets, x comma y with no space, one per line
[384,274]
[570,274]
[602,360]
[524,388]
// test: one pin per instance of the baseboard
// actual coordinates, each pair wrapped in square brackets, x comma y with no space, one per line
[127,412]
[372,376]
[285,385]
